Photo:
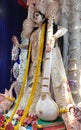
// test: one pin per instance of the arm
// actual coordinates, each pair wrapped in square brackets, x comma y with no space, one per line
[60,32]
[16,42]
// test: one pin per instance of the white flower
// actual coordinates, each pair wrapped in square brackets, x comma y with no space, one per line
[22,128]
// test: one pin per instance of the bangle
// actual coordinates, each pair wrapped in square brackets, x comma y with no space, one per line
[63,110]
[10,99]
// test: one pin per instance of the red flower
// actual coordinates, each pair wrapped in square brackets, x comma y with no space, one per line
[18,118]
[20,112]
[2,119]
[9,126]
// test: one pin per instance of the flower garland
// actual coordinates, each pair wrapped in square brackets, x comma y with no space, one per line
[36,77]
[22,87]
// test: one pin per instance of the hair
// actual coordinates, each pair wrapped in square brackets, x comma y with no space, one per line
[43,16]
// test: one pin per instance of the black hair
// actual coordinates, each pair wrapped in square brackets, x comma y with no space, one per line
[43,16]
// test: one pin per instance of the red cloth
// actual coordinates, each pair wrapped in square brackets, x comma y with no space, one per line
[23,3]
[59,127]
[20,112]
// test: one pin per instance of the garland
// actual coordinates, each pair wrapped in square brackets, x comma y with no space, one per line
[36,77]
[22,87]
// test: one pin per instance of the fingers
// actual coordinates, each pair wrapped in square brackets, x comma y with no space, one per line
[76,112]
[14,39]
[72,110]
[49,47]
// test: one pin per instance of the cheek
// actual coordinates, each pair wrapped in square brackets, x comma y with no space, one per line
[39,19]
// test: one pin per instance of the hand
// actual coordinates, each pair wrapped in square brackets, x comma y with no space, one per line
[49,46]
[75,111]
[15,40]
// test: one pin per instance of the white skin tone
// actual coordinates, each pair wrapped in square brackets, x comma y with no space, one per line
[37,18]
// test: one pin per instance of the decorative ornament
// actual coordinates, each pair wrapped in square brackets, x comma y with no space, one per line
[49,109]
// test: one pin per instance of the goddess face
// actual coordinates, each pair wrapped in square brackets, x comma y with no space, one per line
[38,18]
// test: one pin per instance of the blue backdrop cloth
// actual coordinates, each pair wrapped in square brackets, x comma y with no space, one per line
[12,16]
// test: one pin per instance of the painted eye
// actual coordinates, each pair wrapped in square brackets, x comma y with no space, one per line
[37,14]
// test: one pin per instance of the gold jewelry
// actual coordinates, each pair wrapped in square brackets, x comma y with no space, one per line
[63,110]
[10,99]
[39,126]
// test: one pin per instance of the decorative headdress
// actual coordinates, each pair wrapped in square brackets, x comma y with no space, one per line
[52,9]
[49,8]
[41,6]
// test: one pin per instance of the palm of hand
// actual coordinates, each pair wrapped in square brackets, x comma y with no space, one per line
[75,111]
[50,45]
[14,40]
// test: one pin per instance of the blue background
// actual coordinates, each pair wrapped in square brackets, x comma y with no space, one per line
[12,16]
